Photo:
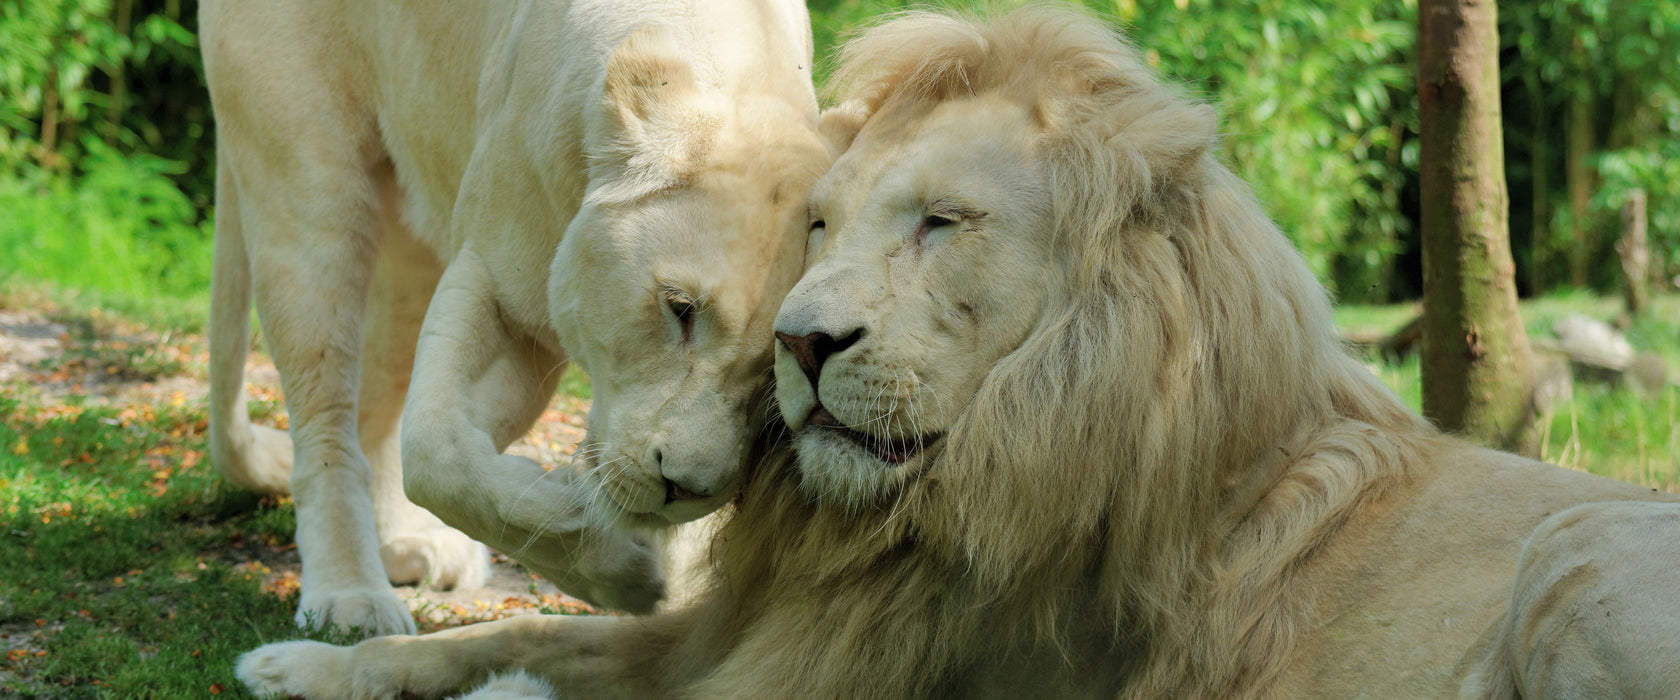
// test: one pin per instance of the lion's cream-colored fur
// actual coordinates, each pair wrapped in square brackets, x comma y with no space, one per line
[479,193]
[1126,454]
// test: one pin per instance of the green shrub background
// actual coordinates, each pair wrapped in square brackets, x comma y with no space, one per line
[102,110]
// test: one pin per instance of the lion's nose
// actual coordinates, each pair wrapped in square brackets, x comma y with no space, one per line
[814,349]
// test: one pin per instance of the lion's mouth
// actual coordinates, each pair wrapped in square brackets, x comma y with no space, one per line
[889,450]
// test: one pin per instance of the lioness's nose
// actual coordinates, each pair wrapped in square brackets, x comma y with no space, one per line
[814,349]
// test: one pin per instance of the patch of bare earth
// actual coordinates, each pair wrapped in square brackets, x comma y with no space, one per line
[55,361]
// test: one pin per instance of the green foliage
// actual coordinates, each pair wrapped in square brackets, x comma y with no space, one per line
[121,227]
[1617,62]
[1317,106]
[1317,102]
[124,72]
[1656,170]
[833,21]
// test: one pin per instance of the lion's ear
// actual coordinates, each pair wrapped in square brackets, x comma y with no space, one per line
[1160,134]
[840,125]
[654,127]
[1122,142]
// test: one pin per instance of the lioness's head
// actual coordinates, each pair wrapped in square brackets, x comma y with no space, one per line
[666,283]
[1028,256]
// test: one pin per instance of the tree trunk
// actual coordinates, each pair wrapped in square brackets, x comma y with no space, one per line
[49,119]
[1540,228]
[1477,368]
[119,80]
[1635,252]
[1578,147]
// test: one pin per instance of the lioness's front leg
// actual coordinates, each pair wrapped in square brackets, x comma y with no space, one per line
[584,657]
[477,386]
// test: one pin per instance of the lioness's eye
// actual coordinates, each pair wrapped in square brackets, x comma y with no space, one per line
[819,223]
[684,313]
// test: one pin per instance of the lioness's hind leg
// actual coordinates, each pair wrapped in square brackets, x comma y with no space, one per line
[1593,613]
[414,545]
[250,456]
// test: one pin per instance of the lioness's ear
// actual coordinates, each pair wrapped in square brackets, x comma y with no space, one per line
[840,125]
[654,128]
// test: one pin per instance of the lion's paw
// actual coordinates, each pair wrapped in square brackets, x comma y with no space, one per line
[513,686]
[303,669]
[369,611]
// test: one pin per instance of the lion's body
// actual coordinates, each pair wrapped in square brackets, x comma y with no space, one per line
[384,164]
[1412,596]
[1169,481]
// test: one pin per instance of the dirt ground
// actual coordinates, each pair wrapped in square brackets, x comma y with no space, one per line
[104,359]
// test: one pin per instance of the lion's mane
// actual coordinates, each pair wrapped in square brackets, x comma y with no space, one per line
[1181,429]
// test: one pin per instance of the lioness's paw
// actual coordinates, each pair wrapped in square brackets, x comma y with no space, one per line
[369,611]
[443,556]
[615,570]
[261,463]
[270,461]
[304,669]
[514,686]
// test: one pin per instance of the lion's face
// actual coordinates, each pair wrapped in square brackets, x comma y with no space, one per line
[667,302]
[931,262]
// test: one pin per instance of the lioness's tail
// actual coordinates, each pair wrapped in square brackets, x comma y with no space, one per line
[253,457]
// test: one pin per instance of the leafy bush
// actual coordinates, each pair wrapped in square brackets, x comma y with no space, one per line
[1317,101]
[123,72]
[1319,113]
[1656,170]
[121,227]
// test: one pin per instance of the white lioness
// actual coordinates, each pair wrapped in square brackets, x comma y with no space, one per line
[1073,421]
[618,182]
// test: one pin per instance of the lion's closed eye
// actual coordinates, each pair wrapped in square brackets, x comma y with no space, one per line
[945,215]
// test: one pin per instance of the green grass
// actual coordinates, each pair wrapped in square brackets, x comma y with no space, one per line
[120,576]
[187,314]
[128,568]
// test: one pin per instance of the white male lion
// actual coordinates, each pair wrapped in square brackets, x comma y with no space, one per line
[478,191]
[1073,421]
